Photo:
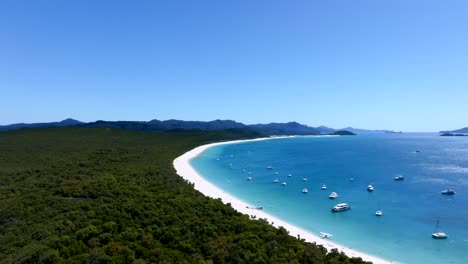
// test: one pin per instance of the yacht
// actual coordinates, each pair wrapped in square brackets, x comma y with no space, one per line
[269,168]
[305,190]
[370,188]
[283,183]
[437,233]
[324,187]
[333,195]
[399,178]
[378,213]
[275,181]
[341,207]
[448,192]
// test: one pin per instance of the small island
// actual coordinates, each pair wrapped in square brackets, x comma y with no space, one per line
[343,133]
[452,135]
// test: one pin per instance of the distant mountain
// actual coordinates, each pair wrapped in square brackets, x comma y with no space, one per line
[457,131]
[66,122]
[291,128]
[366,131]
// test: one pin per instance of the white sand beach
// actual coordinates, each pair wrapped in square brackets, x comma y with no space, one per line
[185,170]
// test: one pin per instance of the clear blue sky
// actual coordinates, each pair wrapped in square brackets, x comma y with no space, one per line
[394,64]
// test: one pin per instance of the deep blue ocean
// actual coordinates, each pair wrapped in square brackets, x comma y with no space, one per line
[410,208]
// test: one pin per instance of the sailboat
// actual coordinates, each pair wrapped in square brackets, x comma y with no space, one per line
[437,233]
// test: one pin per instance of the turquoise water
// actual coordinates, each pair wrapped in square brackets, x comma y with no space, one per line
[410,207]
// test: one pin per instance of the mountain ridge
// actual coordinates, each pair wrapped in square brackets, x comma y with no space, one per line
[273,128]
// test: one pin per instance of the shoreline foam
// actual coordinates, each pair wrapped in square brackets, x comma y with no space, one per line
[186,171]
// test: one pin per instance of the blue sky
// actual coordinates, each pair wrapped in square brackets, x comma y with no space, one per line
[390,64]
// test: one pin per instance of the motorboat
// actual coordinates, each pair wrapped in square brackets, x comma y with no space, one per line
[333,195]
[370,188]
[283,183]
[448,192]
[289,175]
[341,207]
[275,181]
[399,178]
[249,178]
[305,190]
[276,173]
[324,187]
[269,168]
[305,179]
[378,213]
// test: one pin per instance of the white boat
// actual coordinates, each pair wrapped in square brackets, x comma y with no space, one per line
[324,187]
[399,178]
[249,178]
[305,179]
[437,233]
[341,207]
[378,213]
[448,192]
[289,175]
[333,195]
[269,168]
[276,173]
[370,188]
[305,190]
[283,183]
[275,181]
[325,235]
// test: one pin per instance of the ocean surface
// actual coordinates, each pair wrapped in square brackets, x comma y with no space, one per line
[347,165]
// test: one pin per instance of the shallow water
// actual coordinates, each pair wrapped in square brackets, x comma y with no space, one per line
[410,208]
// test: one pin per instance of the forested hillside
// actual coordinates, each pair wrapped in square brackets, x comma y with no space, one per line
[102,195]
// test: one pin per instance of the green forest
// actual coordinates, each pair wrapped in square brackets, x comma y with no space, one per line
[106,195]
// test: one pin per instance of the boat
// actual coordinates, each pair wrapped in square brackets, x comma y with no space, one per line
[305,179]
[325,235]
[269,168]
[324,187]
[289,175]
[352,179]
[283,183]
[255,207]
[275,181]
[305,190]
[399,178]
[249,178]
[378,213]
[448,192]
[276,173]
[341,207]
[437,233]
[333,195]
[370,188]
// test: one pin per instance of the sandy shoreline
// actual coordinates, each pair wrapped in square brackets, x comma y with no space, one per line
[186,171]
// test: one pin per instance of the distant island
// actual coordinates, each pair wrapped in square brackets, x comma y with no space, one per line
[452,135]
[343,133]
[457,133]
[289,128]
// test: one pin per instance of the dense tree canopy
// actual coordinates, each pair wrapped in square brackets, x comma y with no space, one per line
[102,195]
